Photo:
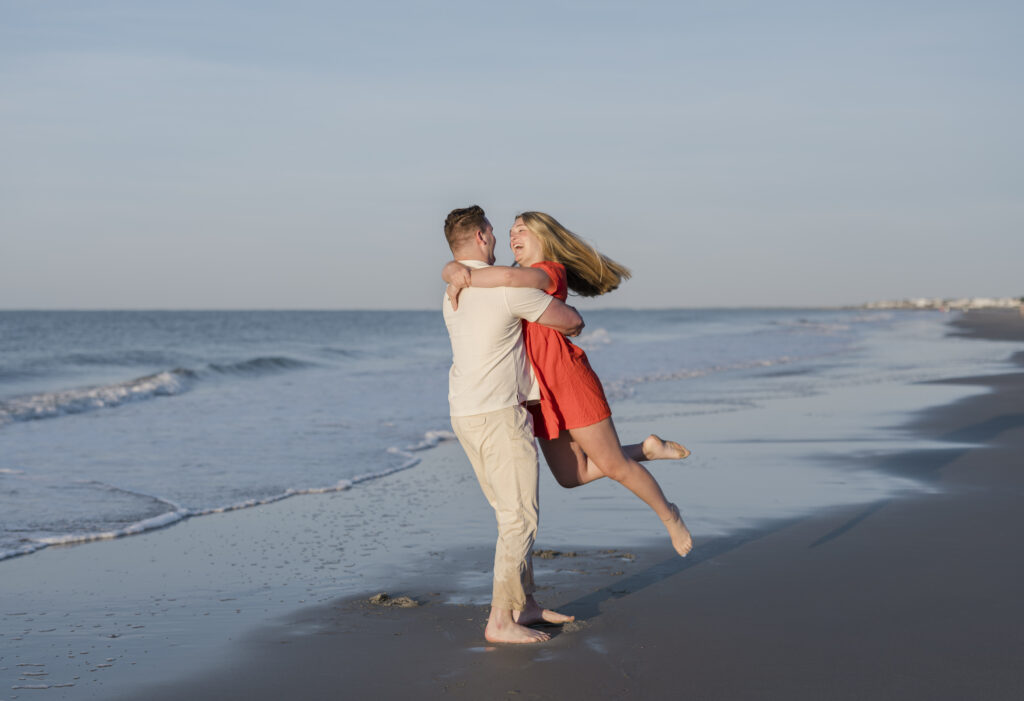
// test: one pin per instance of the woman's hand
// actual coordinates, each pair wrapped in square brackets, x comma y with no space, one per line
[453,296]
[457,274]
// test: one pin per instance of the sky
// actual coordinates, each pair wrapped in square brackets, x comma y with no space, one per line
[304,155]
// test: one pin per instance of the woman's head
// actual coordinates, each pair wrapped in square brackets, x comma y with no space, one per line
[588,272]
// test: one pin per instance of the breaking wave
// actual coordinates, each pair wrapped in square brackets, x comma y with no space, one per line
[168,383]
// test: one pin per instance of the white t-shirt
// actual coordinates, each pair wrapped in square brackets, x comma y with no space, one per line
[490,370]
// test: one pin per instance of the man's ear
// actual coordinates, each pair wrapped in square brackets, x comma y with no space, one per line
[480,236]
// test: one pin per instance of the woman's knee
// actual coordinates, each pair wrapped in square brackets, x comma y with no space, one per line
[617,469]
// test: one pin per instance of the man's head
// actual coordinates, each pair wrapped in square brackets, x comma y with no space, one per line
[469,234]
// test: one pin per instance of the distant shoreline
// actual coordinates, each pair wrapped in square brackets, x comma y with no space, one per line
[948,304]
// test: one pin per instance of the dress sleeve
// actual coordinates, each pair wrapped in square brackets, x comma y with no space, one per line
[555,271]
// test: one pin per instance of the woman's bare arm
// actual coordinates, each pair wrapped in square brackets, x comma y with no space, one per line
[459,276]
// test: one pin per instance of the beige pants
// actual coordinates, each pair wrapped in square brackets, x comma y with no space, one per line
[501,447]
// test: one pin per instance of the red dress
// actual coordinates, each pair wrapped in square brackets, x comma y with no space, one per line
[571,395]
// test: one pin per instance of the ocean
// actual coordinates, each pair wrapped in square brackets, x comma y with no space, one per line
[115,423]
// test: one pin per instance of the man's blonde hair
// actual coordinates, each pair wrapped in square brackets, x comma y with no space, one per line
[588,272]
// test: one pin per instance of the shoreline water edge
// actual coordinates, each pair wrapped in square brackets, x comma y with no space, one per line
[909,593]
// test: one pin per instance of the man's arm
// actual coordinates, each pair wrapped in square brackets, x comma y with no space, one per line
[562,318]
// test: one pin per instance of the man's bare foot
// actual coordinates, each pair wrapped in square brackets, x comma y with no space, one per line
[682,541]
[511,632]
[533,613]
[656,449]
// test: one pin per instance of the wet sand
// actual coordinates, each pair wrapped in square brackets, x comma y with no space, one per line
[917,597]
[996,324]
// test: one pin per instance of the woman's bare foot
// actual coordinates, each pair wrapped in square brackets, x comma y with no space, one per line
[533,613]
[656,449]
[682,541]
[511,632]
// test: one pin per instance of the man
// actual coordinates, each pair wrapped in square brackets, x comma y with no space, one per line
[487,389]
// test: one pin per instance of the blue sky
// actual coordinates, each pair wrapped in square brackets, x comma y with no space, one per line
[305,154]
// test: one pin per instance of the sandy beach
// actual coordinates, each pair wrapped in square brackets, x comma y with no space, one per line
[916,596]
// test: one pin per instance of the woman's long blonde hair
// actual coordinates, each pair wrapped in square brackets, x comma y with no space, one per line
[588,272]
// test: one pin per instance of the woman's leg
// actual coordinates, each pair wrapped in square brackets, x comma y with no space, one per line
[600,444]
[654,448]
[572,467]
[568,462]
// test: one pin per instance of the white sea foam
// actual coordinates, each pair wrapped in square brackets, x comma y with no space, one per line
[74,401]
[21,550]
[149,524]
[179,513]
[431,439]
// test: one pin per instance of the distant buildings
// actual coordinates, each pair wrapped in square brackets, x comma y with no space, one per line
[941,304]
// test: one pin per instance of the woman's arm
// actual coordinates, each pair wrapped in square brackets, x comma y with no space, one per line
[458,275]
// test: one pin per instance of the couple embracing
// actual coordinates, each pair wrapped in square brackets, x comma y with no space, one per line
[516,376]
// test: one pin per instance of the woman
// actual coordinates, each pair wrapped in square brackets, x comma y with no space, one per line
[573,419]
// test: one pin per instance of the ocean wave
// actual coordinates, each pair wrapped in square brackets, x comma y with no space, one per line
[177,513]
[259,366]
[343,352]
[76,401]
[161,384]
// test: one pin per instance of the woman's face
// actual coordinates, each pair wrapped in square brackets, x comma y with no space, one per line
[526,247]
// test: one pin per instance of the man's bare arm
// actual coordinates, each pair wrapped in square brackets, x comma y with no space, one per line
[562,318]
